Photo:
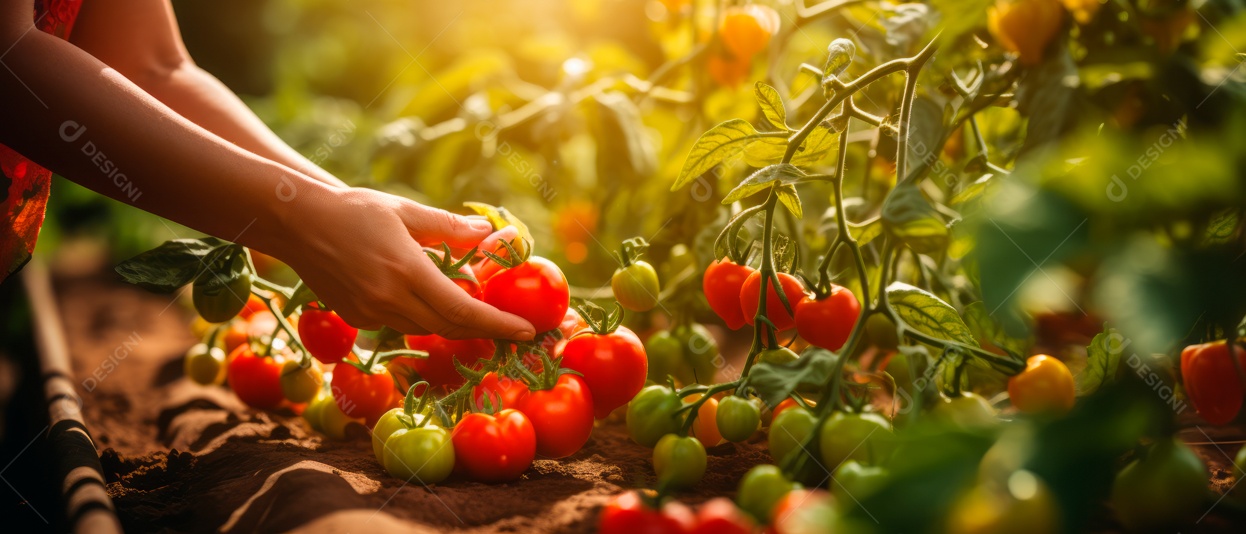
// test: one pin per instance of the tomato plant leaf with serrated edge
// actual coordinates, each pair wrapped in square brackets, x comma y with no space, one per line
[790,200]
[762,179]
[775,382]
[724,141]
[928,314]
[771,105]
[1103,357]
[173,264]
[988,330]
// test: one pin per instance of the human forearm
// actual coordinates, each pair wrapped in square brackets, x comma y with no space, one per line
[200,97]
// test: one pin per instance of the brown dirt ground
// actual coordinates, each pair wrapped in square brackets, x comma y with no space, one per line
[181,457]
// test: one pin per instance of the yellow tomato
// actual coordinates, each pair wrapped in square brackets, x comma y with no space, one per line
[1045,386]
[1025,27]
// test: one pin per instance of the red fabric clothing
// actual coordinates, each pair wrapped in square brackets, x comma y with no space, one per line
[23,184]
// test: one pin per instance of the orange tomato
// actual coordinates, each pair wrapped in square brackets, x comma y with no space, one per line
[1025,27]
[746,30]
[1045,386]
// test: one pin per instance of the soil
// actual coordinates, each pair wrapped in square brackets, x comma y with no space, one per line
[182,457]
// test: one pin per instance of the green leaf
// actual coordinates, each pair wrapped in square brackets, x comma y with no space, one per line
[771,105]
[725,141]
[988,330]
[761,180]
[973,190]
[925,134]
[1103,357]
[790,200]
[865,234]
[1222,227]
[910,217]
[928,314]
[625,123]
[173,264]
[771,150]
[302,295]
[775,382]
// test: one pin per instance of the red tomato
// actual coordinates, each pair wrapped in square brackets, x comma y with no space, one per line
[535,290]
[562,416]
[438,368]
[495,387]
[614,366]
[721,284]
[494,448]
[721,516]
[255,379]
[785,404]
[327,337]
[750,296]
[235,335]
[627,513]
[261,325]
[1211,380]
[486,268]
[363,395]
[253,306]
[827,322]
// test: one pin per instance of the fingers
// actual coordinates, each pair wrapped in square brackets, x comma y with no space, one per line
[459,316]
[432,227]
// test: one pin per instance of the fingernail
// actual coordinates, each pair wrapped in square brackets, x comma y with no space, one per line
[480,225]
[523,335]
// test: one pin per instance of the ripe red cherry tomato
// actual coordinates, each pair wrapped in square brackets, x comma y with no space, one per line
[535,290]
[497,387]
[627,513]
[494,448]
[327,337]
[828,322]
[721,284]
[438,368]
[253,306]
[614,366]
[1211,380]
[721,516]
[750,295]
[363,395]
[561,415]
[256,380]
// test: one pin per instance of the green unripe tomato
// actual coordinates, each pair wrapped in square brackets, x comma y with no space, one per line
[636,286]
[385,427]
[204,365]
[865,437]
[651,415]
[737,418]
[301,384]
[853,482]
[700,351]
[777,356]
[666,357]
[967,411]
[425,454]
[220,303]
[333,421]
[789,431]
[760,489]
[1164,490]
[679,461]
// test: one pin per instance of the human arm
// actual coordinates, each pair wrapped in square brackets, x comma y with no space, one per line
[141,40]
[360,250]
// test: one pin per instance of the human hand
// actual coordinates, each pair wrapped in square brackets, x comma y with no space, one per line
[361,251]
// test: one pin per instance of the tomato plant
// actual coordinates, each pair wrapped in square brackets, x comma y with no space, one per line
[495,448]
[325,335]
